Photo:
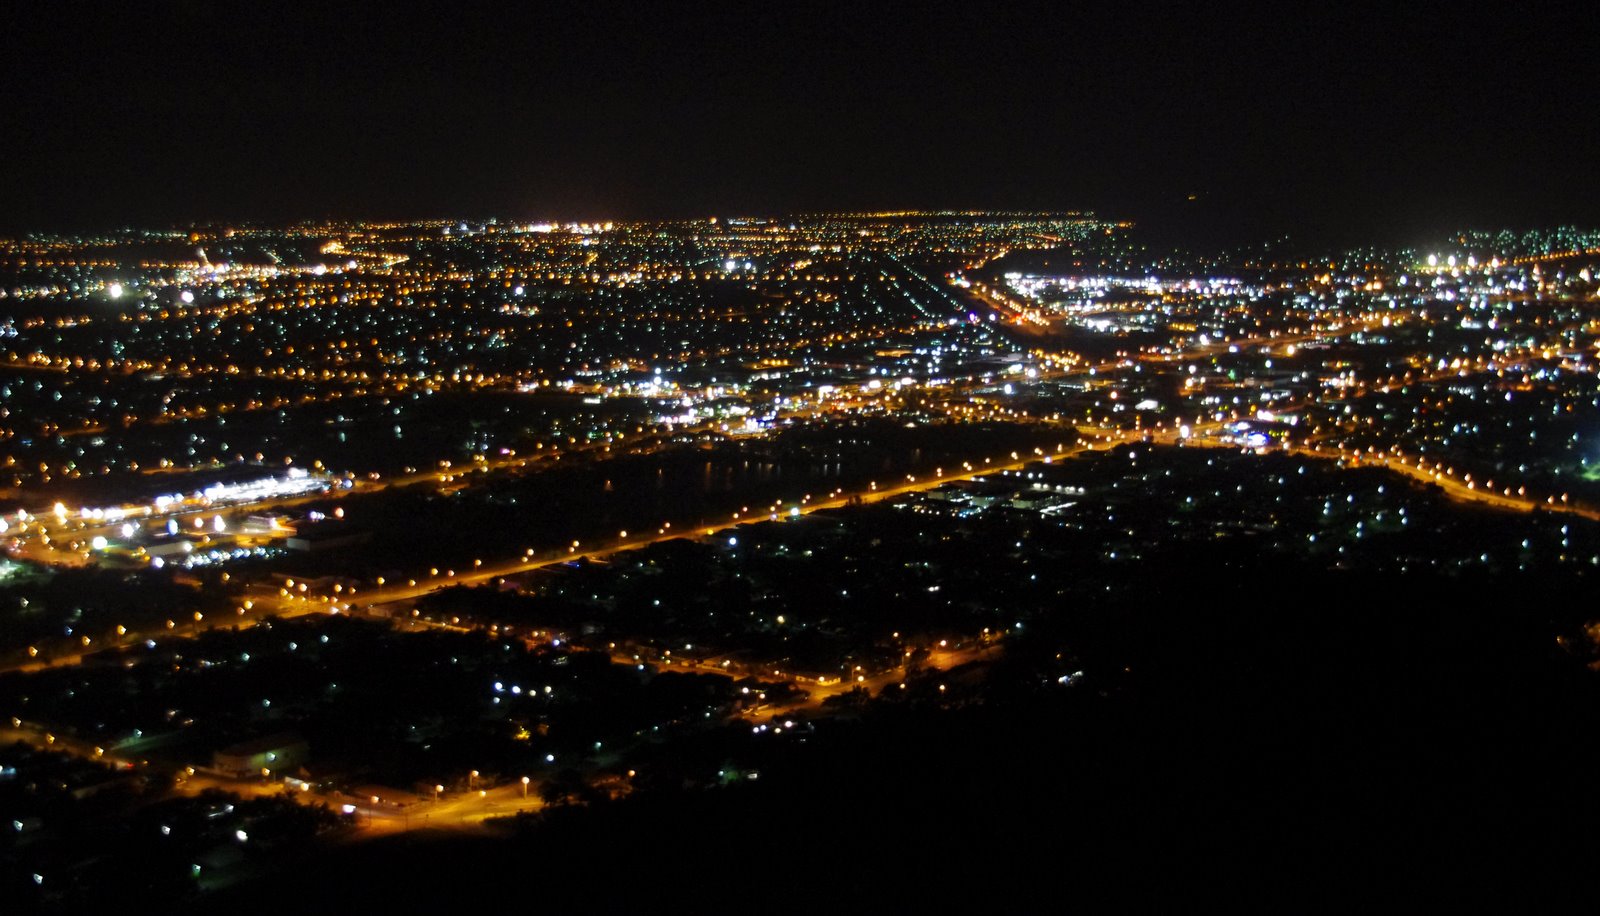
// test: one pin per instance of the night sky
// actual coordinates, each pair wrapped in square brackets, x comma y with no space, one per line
[1343,124]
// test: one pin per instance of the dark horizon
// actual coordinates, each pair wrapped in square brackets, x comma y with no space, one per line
[1391,126]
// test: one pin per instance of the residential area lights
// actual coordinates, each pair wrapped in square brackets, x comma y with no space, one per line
[591,488]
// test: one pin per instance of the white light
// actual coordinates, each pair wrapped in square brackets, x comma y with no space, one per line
[114,290]
[99,543]
[187,297]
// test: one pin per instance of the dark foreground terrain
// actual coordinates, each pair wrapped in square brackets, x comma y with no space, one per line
[1249,737]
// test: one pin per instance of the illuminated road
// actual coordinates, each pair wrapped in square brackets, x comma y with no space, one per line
[74,530]
[1460,489]
[451,810]
[488,572]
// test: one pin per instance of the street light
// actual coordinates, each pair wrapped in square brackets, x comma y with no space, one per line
[524,787]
